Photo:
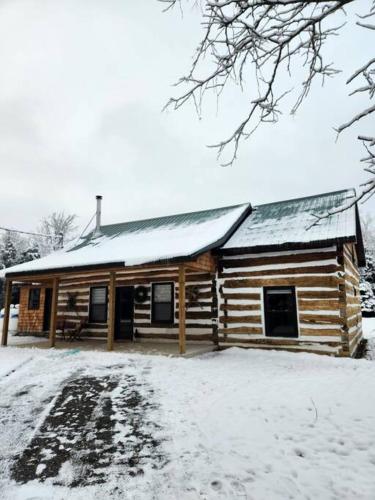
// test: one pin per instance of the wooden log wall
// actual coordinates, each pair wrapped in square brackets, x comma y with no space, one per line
[227,307]
[322,286]
[200,307]
[352,298]
[30,320]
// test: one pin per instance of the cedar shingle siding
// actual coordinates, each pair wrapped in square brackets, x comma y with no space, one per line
[30,320]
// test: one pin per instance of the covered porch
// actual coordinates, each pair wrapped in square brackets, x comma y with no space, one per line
[170,349]
[114,277]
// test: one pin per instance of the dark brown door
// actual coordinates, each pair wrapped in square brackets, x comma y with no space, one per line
[124,315]
[47,309]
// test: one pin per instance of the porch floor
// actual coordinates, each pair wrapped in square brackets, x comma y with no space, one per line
[145,347]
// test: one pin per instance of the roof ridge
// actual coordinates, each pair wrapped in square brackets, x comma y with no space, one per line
[135,221]
[320,195]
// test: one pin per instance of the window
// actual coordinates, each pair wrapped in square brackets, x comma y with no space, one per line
[162,303]
[98,304]
[280,312]
[34,298]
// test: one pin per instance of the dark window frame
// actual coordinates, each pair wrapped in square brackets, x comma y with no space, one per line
[34,302]
[91,305]
[170,320]
[267,318]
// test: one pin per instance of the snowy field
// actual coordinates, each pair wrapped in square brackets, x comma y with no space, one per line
[368,325]
[253,425]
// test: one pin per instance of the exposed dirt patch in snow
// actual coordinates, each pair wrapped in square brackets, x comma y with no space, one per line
[94,423]
[85,424]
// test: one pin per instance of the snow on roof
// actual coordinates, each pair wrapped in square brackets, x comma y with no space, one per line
[289,222]
[144,241]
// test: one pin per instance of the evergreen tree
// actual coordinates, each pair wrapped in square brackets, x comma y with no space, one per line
[367,285]
[31,253]
[8,251]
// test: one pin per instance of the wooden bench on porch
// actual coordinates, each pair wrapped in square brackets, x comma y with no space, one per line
[68,332]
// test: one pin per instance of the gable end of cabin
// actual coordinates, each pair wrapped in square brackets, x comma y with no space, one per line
[298,300]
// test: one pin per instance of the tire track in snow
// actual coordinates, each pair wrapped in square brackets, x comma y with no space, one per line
[15,369]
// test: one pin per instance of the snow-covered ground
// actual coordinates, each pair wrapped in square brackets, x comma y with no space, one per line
[25,339]
[13,319]
[253,425]
[368,325]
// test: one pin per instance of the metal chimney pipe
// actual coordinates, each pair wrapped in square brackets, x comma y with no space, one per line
[98,215]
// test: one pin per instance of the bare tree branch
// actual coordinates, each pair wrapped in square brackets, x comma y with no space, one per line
[268,37]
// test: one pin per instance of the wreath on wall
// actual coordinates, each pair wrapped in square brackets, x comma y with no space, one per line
[72,301]
[192,295]
[140,294]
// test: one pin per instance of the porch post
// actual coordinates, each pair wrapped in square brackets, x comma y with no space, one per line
[111,310]
[8,300]
[181,309]
[53,323]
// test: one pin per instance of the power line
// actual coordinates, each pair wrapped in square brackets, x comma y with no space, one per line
[25,232]
[83,232]
[56,236]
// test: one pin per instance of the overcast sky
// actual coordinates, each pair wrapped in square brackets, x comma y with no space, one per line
[82,87]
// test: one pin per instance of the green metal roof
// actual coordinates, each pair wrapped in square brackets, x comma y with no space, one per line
[280,225]
[290,223]
[168,221]
[158,240]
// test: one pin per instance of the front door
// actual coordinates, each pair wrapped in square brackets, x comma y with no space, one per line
[47,309]
[124,316]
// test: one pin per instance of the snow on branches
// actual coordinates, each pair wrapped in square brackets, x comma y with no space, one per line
[269,36]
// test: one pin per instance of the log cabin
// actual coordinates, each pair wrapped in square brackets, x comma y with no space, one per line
[273,276]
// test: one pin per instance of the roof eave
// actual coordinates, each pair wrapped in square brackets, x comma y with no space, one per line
[361,255]
[288,246]
[61,270]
